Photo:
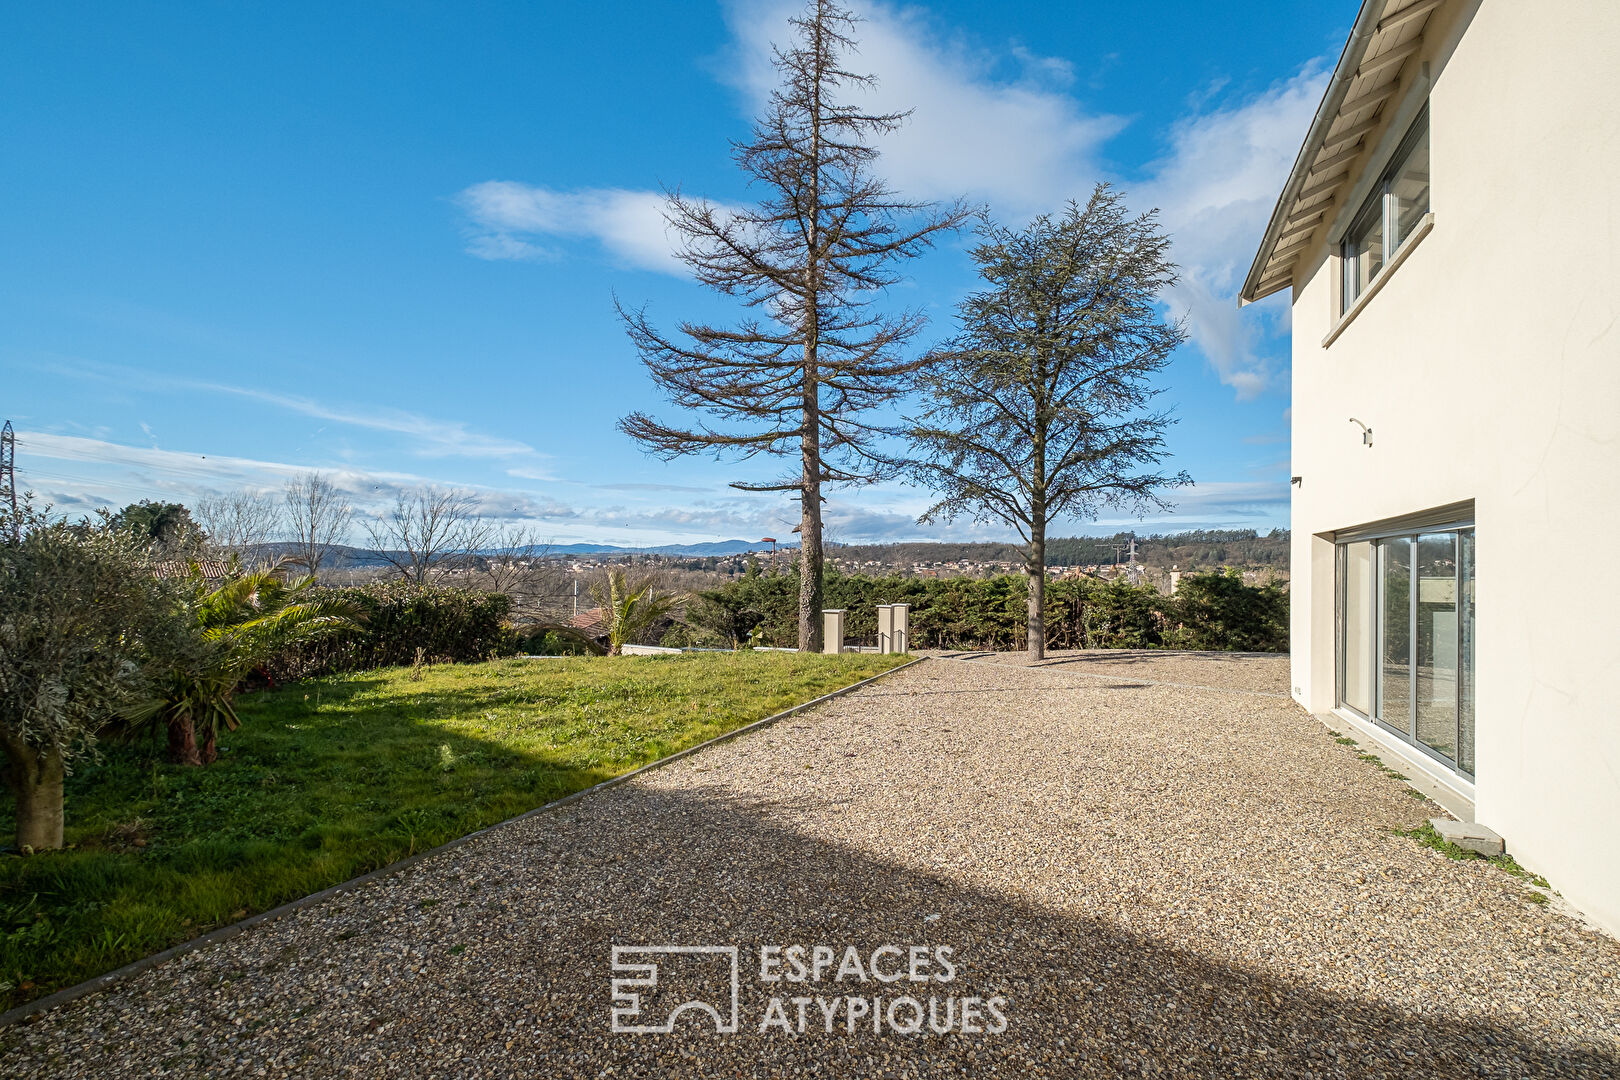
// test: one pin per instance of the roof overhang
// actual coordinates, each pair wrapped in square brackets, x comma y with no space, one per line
[1386,38]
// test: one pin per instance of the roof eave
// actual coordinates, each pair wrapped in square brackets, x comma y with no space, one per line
[1344,73]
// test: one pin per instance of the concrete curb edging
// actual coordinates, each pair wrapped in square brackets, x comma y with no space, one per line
[224,933]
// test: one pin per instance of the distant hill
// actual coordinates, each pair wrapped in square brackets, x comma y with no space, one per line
[1198,549]
[344,557]
[338,556]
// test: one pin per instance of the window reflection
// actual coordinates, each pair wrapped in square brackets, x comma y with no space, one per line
[1436,643]
[1395,677]
[1391,214]
[1405,641]
[1408,198]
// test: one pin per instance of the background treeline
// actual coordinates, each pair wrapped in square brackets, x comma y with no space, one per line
[1198,549]
[1210,611]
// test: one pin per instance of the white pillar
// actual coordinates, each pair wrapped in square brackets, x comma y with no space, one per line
[832,631]
[885,617]
[900,627]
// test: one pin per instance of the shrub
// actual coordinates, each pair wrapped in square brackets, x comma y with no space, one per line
[397,618]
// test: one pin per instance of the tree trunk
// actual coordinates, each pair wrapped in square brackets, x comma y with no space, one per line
[34,778]
[810,598]
[1035,568]
[183,742]
[210,749]
[810,560]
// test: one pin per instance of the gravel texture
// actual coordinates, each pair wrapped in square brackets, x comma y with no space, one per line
[1160,863]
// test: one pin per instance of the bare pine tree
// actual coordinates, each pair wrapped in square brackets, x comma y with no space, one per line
[800,377]
[1040,404]
[318,516]
[241,522]
[430,529]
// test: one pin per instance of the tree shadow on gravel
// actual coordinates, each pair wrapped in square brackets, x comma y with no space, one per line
[1148,656]
[1084,996]
[1057,658]
[516,975]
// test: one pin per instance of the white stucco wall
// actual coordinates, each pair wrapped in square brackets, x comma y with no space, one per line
[1488,366]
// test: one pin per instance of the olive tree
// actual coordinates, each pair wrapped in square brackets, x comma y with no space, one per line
[79,610]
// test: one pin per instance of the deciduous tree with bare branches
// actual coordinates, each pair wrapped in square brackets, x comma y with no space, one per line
[239,522]
[517,562]
[514,549]
[802,377]
[318,516]
[429,529]
[1040,404]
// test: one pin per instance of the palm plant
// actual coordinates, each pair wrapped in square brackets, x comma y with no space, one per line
[630,607]
[240,625]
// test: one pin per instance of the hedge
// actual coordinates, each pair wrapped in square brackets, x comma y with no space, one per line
[398,618]
[1215,610]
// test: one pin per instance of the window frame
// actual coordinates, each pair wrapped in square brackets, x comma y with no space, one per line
[1380,199]
[1453,519]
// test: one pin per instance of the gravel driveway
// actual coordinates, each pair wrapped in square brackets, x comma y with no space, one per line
[1157,863]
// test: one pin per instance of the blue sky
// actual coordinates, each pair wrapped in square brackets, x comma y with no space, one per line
[241,241]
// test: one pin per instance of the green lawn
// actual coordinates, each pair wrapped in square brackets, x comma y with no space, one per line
[331,778]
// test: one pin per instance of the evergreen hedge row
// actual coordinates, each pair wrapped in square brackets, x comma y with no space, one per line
[1215,610]
[397,619]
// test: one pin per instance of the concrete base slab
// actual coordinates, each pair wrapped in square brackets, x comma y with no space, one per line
[1469,835]
[1421,772]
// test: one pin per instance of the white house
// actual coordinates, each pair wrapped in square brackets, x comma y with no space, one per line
[1450,234]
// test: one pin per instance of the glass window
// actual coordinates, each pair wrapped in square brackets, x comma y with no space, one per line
[1435,662]
[1358,632]
[1393,210]
[1406,637]
[1363,252]
[1395,632]
[1408,198]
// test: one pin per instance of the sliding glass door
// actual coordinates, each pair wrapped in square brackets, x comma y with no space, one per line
[1394,627]
[1358,636]
[1406,637]
[1435,648]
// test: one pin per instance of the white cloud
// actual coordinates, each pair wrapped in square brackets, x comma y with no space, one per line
[1216,189]
[80,474]
[432,437]
[997,123]
[1023,142]
[172,470]
[505,218]
[991,124]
